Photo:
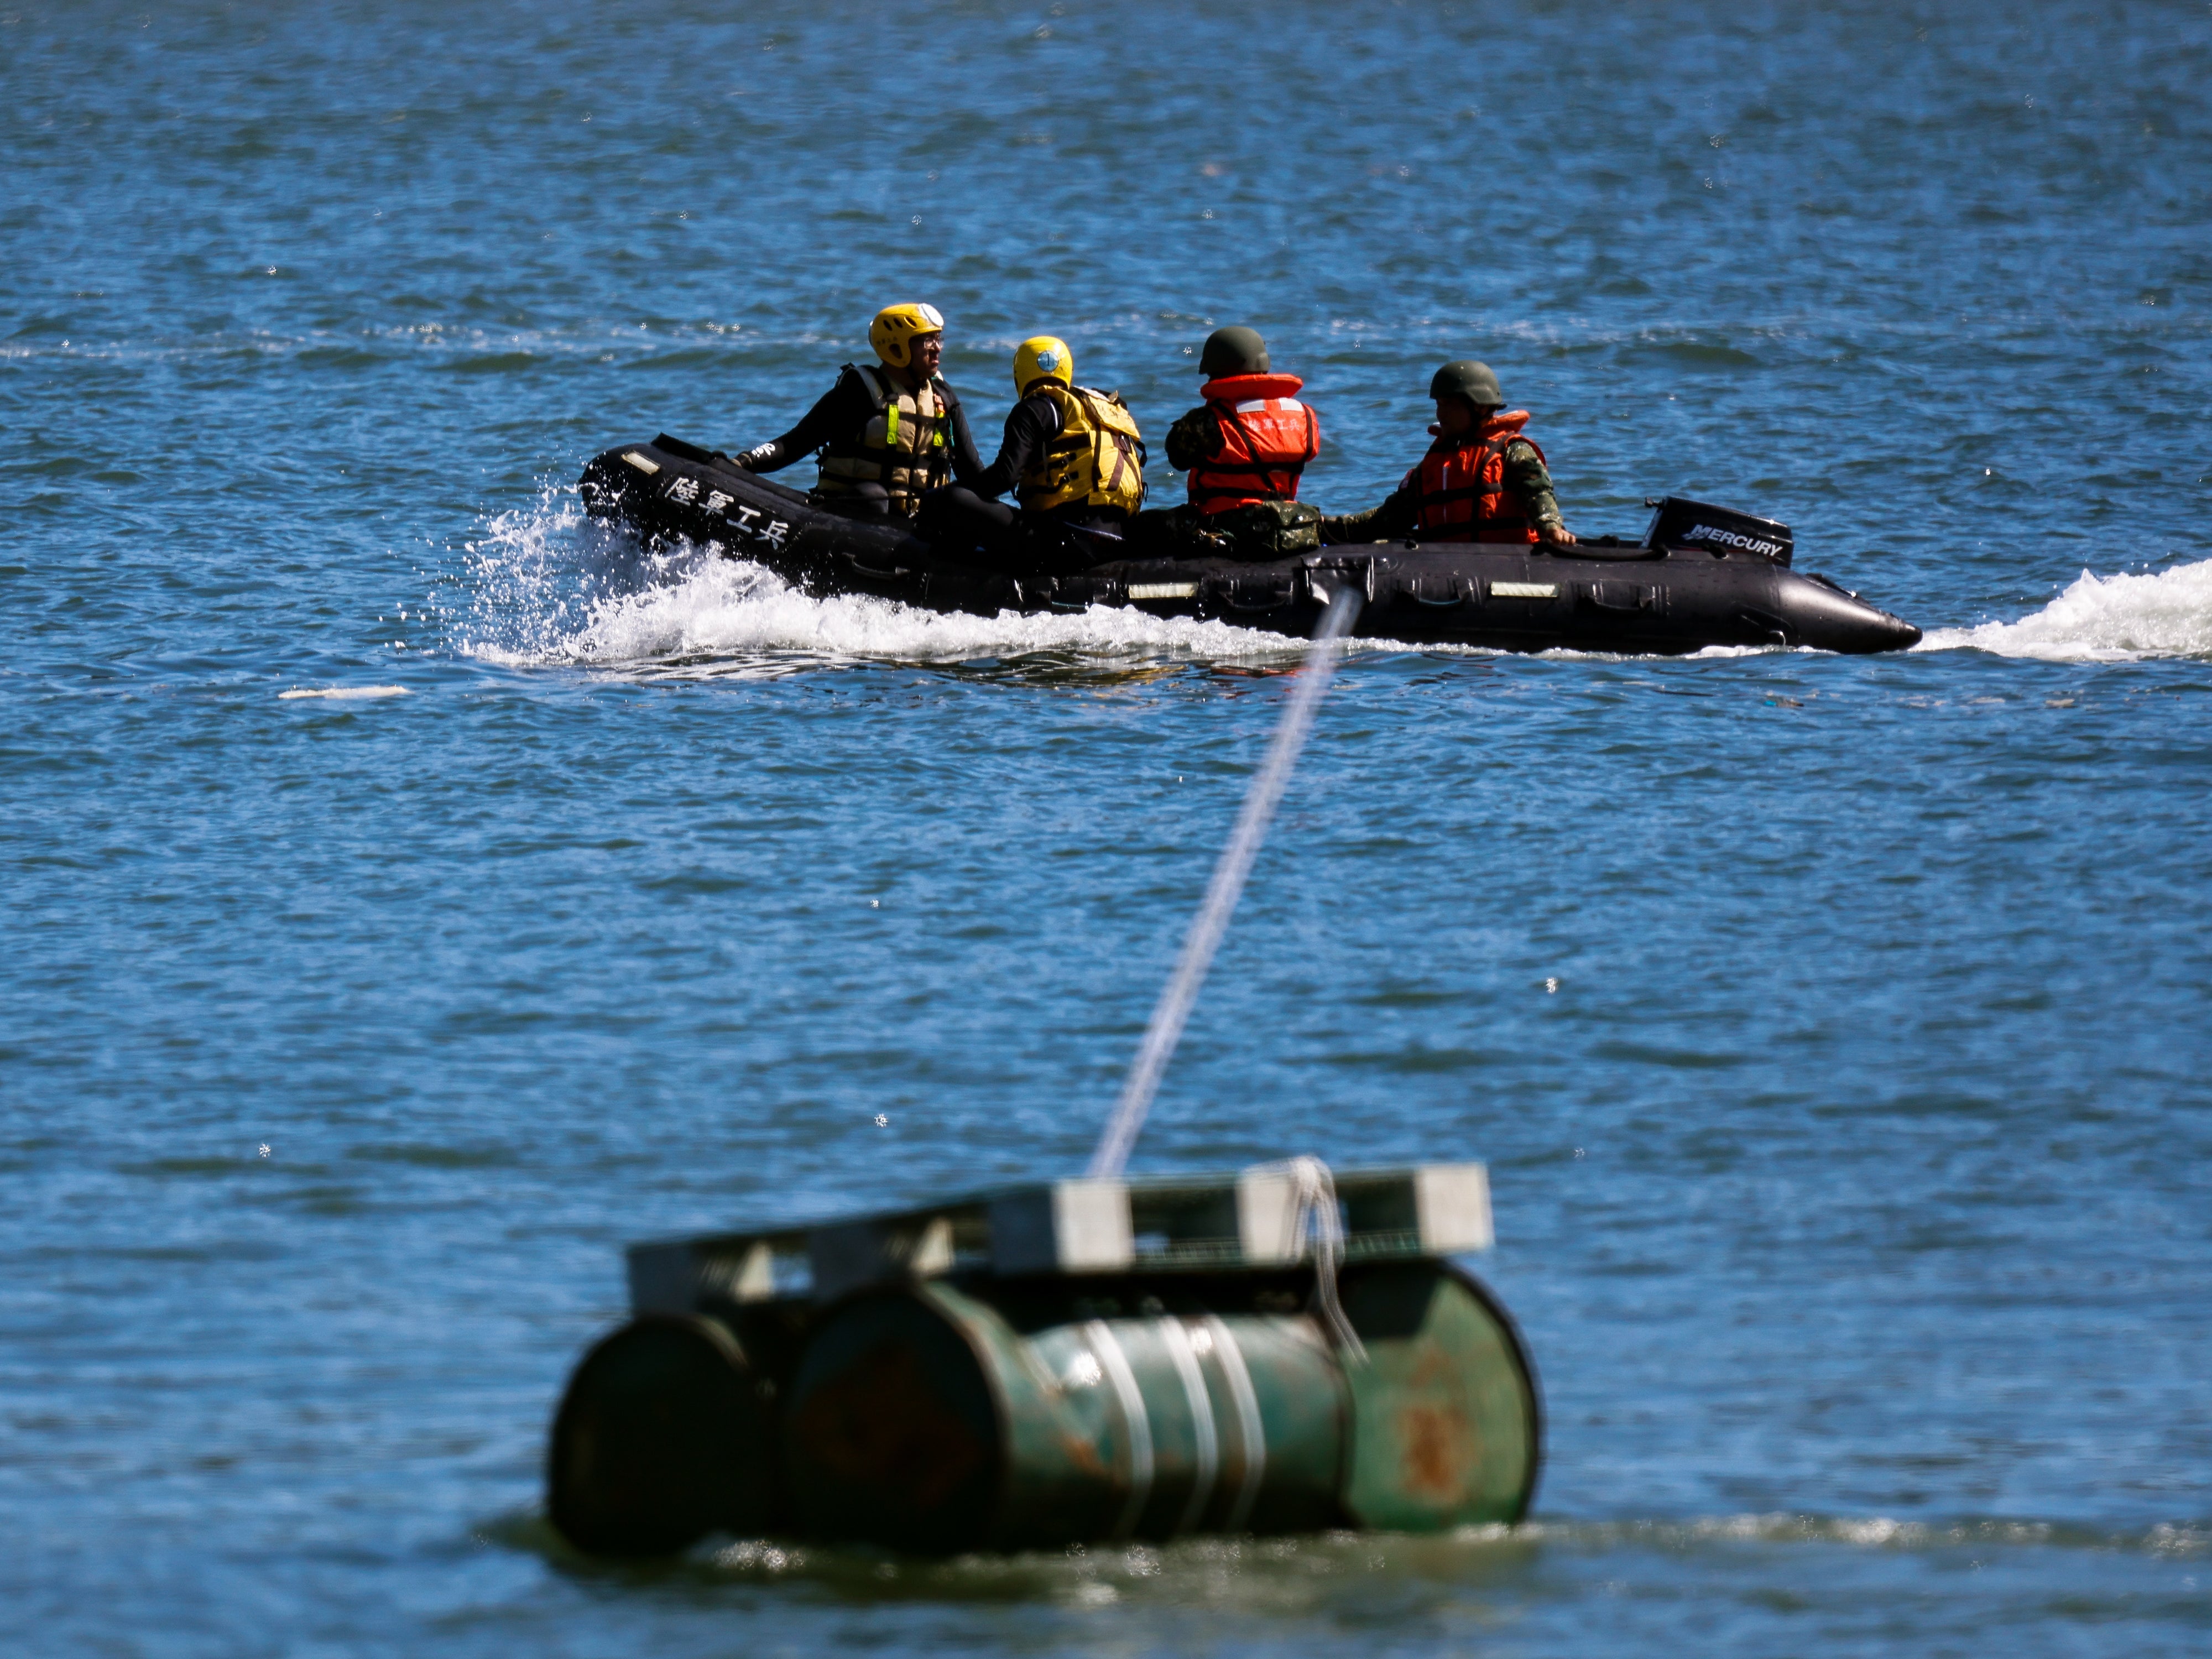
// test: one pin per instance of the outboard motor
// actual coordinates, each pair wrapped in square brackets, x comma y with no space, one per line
[1683,523]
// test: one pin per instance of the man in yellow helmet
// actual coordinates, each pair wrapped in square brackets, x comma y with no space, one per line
[886,435]
[1073,458]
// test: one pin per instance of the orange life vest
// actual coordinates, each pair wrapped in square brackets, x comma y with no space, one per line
[1267,437]
[1460,484]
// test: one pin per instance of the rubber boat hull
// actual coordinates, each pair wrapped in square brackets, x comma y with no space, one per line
[1650,597]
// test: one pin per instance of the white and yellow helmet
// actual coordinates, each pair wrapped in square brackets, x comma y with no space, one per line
[898,327]
[1046,357]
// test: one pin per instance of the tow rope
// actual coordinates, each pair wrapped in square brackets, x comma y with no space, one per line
[1198,945]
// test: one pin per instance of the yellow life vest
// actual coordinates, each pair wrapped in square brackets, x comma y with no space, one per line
[1097,460]
[906,445]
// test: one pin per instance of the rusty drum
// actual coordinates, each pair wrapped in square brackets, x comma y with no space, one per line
[927,1419]
[1447,1422]
[662,1438]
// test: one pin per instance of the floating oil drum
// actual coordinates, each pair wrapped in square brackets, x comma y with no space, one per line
[662,1438]
[924,1420]
[1085,1360]
[1447,1422]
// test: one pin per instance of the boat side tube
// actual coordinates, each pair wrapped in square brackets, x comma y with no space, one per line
[1729,587]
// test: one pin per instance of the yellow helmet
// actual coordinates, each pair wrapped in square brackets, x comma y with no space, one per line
[898,327]
[1044,358]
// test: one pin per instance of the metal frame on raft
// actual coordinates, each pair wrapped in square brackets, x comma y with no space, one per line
[1066,1362]
[1251,1219]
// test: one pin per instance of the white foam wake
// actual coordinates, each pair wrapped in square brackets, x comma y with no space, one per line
[2103,619]
[549,588]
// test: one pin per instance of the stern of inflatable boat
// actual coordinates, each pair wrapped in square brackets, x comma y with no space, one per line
[1820,613]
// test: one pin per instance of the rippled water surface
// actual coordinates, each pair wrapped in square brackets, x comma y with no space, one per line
[413,893]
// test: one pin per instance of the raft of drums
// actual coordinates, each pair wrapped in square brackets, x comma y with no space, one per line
[1077,1362]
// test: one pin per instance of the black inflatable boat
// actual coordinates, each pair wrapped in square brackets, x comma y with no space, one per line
[1700,576]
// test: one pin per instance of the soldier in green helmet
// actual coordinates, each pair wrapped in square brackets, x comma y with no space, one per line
[1481,480]
[1244,449]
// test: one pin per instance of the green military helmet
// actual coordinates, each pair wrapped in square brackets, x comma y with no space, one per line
[1469,379]
[1233,351]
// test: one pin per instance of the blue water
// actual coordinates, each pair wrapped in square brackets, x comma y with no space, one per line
[1852,1180]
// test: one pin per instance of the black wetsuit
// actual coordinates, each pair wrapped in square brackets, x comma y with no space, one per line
[962,518]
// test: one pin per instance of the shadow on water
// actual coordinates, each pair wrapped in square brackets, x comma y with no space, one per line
[1042,669]
[1278,1577]
[1333,1572]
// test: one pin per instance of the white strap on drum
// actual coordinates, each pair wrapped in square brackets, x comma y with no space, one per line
[1138,1422]
[1251,1432]
[1206,1453]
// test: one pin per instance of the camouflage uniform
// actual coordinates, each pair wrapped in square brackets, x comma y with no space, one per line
[1526,476]
[1186,438]
[1260,530]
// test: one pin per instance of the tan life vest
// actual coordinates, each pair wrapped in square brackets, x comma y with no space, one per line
[906,445]
[1097,460]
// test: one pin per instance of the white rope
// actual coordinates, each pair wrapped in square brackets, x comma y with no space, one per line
[1173,1007]
[1317,1225]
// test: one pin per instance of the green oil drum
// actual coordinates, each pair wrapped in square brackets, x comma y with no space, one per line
[923,1420]
[663,1437]
[927,1419]
[1447,1421]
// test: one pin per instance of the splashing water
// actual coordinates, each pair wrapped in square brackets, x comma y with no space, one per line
[2103,619]
[552,586]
